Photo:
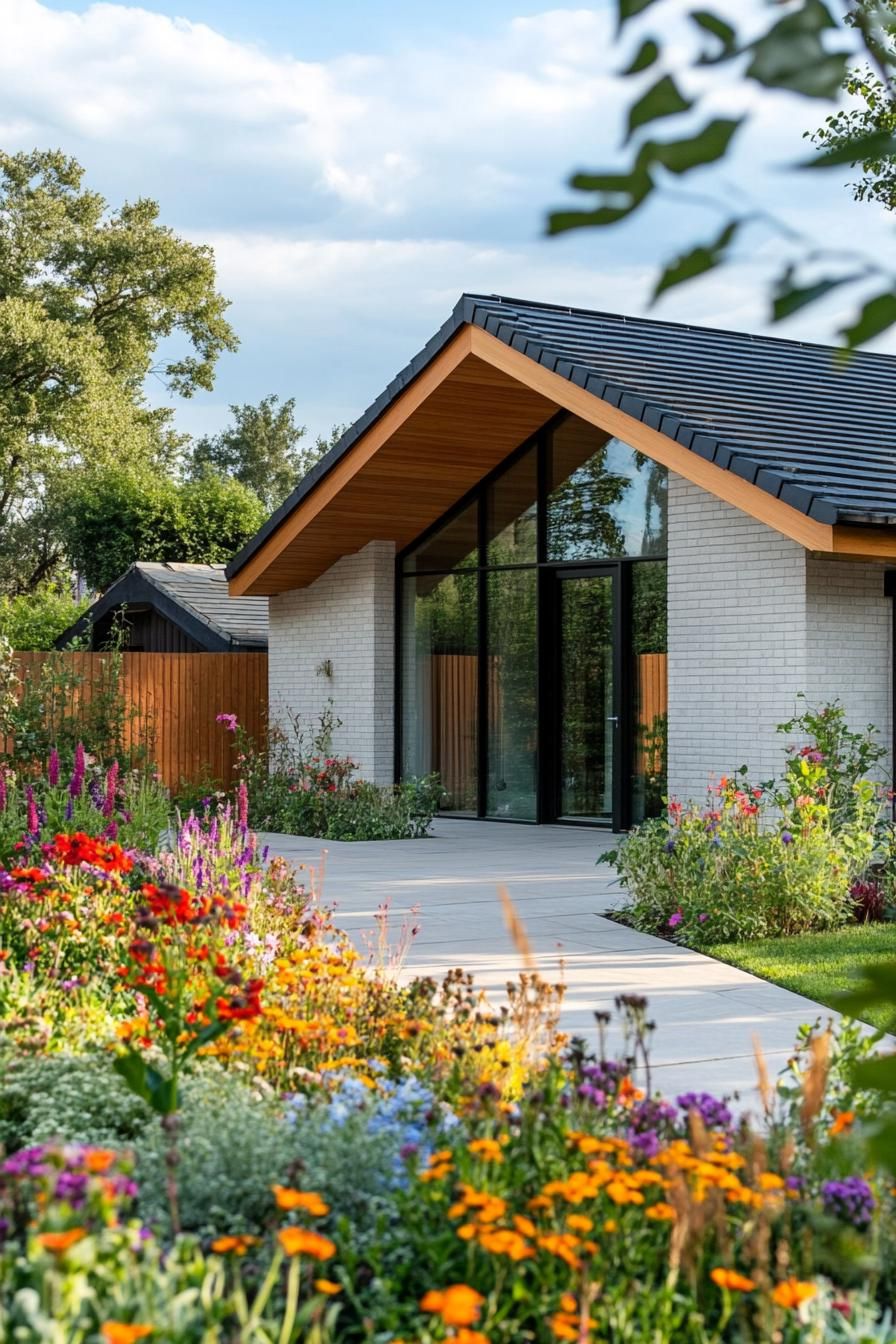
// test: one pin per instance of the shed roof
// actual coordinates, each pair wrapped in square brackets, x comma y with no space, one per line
[194,597]
[807,424]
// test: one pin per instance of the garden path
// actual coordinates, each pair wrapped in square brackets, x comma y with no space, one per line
[708,1014]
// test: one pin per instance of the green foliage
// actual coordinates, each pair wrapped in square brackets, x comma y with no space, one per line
[76,1098]
[86,296]
[820,966]
[779,859]
[801,49]
[60,703]
[113,516]
[37,620]
[264,449]
[298,786]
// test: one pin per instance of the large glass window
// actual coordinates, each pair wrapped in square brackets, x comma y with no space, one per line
[605,499]
[533,637]
[439,701]
[512,515]
[512,662]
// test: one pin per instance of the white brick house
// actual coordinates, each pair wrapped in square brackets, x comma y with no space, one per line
[562,544]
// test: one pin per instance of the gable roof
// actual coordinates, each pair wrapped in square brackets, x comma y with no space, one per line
[806,424]
[194,597]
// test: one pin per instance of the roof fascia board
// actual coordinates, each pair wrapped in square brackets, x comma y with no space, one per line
[351,462]
[686,462]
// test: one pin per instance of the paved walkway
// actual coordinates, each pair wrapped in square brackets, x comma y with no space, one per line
[708,1014]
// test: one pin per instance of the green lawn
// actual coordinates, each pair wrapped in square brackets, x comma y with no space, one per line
[818,965]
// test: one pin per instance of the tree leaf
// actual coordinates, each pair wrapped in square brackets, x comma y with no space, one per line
[859,149]
[646,56]
[790,298]
[662,99]
[791,54]
[628,9]
[132,1068]
[877,315]
[697,261]
[622,193]
[718,28]
[680,156]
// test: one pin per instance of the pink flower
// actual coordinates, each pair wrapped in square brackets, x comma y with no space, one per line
[229,721]
[675,920]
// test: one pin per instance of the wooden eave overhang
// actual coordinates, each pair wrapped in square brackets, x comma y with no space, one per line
[475,401]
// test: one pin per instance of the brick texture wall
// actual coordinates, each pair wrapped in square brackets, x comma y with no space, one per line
[347,618]
[753,620]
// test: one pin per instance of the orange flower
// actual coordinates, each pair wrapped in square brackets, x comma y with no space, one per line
[577,1222]
[661,1212]
[118,1332]
[488,1150]
[98,1160]
[457,1305]
[628,1093]
[793,1292]
[299,1241]
[306,1200]
[843,1122]
[238,1245]
[60,1242]
[731,1280]
[465,1336]
[327,1286]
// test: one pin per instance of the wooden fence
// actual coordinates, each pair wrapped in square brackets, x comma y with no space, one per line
[172,701]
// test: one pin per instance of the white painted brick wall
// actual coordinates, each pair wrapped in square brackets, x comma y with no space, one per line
[849,627]
[348,617]
[753,620]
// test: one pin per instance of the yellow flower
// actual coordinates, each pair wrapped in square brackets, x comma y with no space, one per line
[457,1305]
[299,1241]
[793,1292]
[306,1200]
[327,1286]
[731,1280]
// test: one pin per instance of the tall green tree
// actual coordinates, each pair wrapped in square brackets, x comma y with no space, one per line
[113,516]
[264,448]
[88,294]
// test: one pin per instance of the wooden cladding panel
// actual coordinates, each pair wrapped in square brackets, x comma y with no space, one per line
[172,701]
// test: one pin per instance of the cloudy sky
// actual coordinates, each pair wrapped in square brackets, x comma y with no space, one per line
[356,164]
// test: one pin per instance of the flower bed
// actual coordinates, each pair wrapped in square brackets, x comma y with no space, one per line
[219,1124]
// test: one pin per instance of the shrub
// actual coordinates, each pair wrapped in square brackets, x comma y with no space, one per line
[753,862]
[298,786]
[36,620]
[68,1097]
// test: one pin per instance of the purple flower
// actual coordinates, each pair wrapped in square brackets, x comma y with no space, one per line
[229,721]
[786,838]
[674,920]
[714,1113]
[850,1200]
[669,846]
[76,783]
[701,919]
[3,793]
[53,768]
[32,823]
[242,803]
[69,809]
[111,790]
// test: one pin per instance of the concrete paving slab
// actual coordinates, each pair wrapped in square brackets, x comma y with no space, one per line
[709,1014]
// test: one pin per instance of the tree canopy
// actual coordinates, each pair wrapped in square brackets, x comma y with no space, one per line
[264,448]
[797,46]
[87,297]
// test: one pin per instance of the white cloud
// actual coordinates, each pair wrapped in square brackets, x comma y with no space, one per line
[351,200]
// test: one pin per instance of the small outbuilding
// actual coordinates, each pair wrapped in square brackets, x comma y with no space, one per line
[174,608]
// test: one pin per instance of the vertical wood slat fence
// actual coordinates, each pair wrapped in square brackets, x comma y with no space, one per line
[171,703]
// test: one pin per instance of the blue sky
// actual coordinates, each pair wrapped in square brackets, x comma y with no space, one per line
[356,165]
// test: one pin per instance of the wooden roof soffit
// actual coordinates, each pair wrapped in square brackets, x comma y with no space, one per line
[847,542]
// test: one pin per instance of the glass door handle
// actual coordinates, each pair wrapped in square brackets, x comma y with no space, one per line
[612,718]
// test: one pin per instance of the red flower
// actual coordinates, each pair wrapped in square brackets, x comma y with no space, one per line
[77,848]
